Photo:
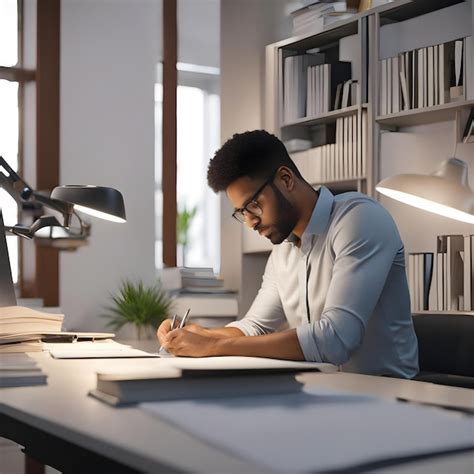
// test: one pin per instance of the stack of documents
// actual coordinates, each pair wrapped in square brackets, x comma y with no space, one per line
[19,370]
[23,330]
[101,349]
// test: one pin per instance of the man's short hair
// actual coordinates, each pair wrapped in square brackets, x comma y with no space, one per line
[256,154]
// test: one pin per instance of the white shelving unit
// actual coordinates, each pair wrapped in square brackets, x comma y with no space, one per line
[370,35]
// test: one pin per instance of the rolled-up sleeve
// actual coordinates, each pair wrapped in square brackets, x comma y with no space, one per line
[364,243]
[266,314]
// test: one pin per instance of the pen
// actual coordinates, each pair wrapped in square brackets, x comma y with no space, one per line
[172,327]
[174,320]
[183,321]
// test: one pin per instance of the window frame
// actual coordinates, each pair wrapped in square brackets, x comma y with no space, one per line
[21,75]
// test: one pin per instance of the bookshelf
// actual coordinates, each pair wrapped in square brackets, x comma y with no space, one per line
[366,39]
[428,115]
[460,313]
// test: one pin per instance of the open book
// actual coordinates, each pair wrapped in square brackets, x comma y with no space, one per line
[212,377]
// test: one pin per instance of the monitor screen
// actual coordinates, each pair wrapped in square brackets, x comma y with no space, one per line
[7,290]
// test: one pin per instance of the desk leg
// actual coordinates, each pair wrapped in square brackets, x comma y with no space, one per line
[32,466]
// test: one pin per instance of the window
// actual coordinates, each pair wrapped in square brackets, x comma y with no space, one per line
[198,132]
[9,114]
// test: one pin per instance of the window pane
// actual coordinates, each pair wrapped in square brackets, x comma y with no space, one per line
[198,132]
[8,32]
[9,150]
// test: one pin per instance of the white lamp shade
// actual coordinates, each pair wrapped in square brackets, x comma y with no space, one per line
[446,192]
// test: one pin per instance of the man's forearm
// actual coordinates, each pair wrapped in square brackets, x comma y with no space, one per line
[280,345]
[224,333]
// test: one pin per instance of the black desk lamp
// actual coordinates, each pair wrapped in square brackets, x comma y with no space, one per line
[98,201]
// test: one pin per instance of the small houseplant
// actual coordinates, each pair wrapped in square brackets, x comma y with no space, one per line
[142,306]
[184,220]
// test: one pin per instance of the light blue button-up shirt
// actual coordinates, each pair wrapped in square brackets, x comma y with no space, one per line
[344,289]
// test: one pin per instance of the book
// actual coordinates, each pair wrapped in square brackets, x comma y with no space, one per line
[467,277]
[213,377]
[383,87]
[395,85]
[468,134]
[15,319]
[455,271]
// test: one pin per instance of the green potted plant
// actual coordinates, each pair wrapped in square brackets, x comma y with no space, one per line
[184,220]
[144,307]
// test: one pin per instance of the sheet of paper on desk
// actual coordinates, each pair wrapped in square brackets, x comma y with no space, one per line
[318,430]
[106,349]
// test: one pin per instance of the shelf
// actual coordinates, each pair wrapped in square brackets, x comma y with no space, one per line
[450,313]
[342,185]
[325,118]
[426,115]
[404,10]
[333,33]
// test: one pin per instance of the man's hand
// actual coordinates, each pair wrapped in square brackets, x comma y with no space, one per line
[165,328]
[187,343]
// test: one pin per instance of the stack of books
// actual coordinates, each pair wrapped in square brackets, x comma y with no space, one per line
[201,290]
[312,87]
[24,330]
[424,77]
[318,14]
[295,77]
[454,272]
[420,271]
[340,161]
[211,377]
[451,269]
[328,88]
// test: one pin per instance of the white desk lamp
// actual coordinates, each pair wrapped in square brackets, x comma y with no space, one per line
[445,192]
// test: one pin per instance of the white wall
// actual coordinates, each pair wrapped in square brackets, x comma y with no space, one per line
[246,27]
[198,28]
[109,50]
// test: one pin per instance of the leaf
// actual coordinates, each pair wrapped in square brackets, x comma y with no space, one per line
[139,305]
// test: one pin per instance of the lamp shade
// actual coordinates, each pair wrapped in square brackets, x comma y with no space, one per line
[445,192]
[99,201]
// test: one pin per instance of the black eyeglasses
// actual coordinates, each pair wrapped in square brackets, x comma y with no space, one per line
[252,207]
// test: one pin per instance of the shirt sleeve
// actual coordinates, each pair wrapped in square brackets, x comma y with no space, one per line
[364,242]
[266,314]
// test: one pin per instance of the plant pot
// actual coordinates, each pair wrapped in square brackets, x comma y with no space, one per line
[131,332]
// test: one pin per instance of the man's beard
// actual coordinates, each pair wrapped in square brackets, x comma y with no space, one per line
[286,220]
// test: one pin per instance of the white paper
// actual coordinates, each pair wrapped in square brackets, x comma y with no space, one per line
[106,349]
[317,430]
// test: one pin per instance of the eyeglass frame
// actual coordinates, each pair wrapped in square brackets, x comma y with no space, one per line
[253,199]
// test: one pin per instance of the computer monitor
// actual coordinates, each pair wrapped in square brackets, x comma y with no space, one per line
[7,290]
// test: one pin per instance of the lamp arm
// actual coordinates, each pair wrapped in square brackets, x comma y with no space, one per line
[21,191]
[63,207]
[13,184]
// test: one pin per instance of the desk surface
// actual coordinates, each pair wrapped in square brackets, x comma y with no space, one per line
[132,437]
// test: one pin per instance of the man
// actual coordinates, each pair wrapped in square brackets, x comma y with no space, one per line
[336,274]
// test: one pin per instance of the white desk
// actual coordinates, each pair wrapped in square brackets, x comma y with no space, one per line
[129,437]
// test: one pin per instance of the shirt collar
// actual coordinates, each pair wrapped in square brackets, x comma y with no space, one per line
[319,220]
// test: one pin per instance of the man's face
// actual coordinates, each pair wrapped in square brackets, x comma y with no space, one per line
[278,215]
